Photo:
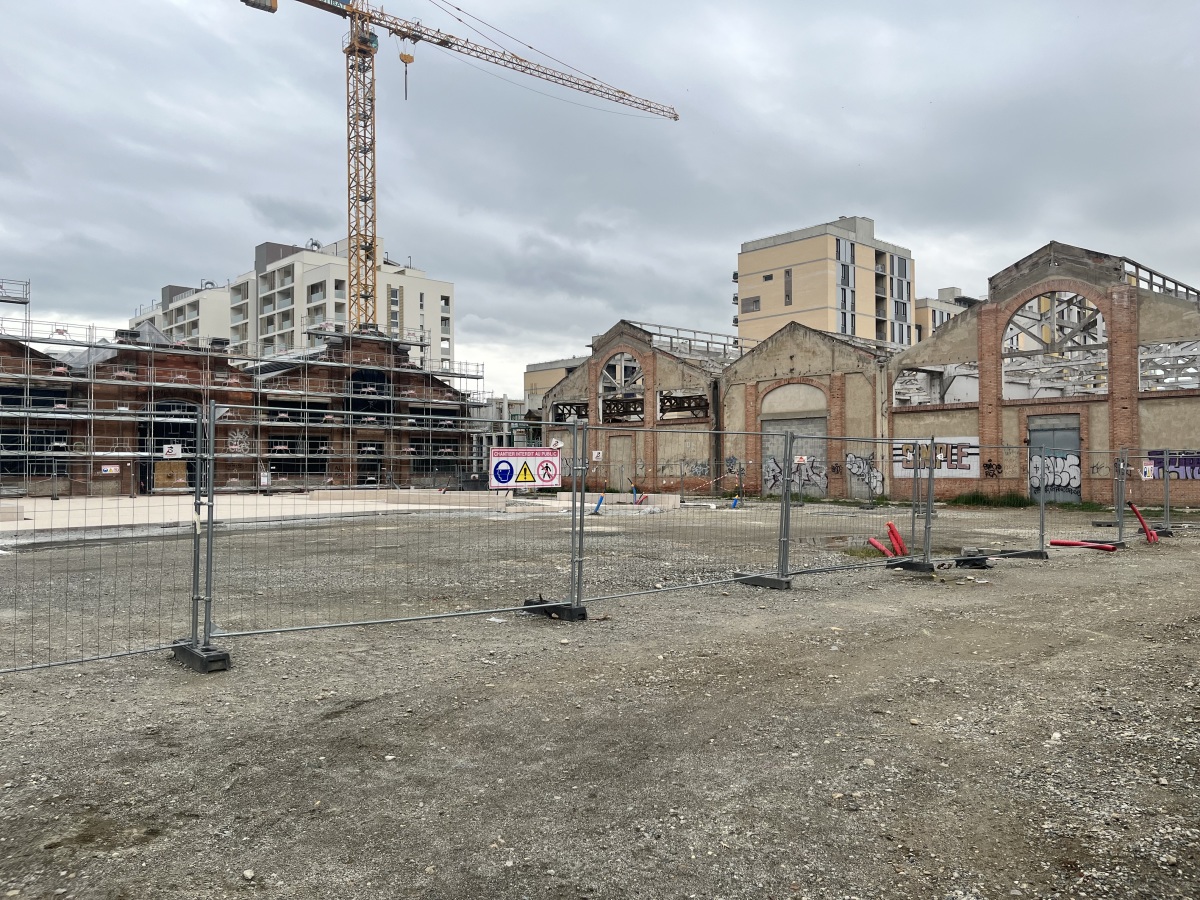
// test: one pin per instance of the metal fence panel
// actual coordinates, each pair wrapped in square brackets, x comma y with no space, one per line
[648,528]
[94,577]
[859,495]
[392,522]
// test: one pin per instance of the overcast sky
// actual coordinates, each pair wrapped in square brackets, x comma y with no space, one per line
[147,142]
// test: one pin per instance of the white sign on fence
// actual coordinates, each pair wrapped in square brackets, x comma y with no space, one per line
[533,467]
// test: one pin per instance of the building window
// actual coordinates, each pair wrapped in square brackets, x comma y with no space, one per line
[787,287]
[394,296]
[844,251]
[770,277]
[422,301]
[751,304]
[445,302]
[844,274]
[787,299]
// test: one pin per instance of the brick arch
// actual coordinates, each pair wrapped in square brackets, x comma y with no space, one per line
[755,392]
[762,389]
[1092,293]
[1089,292]
[1117,304]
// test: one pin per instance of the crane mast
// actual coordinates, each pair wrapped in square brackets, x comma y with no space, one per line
[360,47]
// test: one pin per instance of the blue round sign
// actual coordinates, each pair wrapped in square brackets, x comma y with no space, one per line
[503,471]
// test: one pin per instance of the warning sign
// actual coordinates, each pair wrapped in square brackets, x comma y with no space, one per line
[532,467]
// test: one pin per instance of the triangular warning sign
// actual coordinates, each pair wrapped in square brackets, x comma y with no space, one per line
[525,476]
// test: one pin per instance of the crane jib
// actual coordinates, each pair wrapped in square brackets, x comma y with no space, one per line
[360,47]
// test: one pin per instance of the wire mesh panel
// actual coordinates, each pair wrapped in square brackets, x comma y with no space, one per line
[678,520]
[89,577]
[1165,486]
[1179,470]
[985,500]
[375,517]
[1081,489]
[858,495]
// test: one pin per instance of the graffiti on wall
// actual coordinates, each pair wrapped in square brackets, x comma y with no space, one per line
[1057,473]
[1184,465]
[809,476]
[238,441]
[952,457]
[862,469]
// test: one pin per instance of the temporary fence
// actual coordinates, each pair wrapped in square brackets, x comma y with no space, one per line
[251,523]
[95,577]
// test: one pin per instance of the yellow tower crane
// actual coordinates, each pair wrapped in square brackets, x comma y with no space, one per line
[360,46]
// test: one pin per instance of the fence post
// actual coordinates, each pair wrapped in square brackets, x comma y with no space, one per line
[870,481]
[782,579]
[196,651]
[572,609]
[1119,493]
[1042,500]
[210,471]
[928,543]
[196,505]
[1166,523]
[785,509]
[916,495]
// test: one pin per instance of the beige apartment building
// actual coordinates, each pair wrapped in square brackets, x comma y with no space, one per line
[540,377]
[930,313]
[834,277]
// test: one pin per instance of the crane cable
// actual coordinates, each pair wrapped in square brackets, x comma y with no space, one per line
[439,5]
[459,58]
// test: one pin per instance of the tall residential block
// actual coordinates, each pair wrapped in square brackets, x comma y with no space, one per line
[293,294]
[835,277]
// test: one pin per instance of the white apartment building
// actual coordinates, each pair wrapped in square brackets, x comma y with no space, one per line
[293,292]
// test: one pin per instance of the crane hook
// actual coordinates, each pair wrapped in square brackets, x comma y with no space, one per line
[406,58]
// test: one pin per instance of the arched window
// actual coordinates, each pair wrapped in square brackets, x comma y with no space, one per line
[1056,345]
[622,389]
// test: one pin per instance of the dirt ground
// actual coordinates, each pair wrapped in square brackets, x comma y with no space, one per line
[1032,732]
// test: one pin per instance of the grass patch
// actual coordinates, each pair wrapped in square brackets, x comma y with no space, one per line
[1086,506]
[1012,499]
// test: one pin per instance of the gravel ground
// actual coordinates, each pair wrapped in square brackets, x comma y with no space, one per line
[1028,731]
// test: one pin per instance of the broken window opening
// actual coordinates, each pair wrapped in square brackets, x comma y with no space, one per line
[935,385]
[1169,366]
[1056,345]
[622,389]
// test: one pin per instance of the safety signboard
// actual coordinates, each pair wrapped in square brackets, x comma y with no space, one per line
[532,467]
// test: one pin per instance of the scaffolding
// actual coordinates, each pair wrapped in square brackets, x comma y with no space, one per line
[95,413]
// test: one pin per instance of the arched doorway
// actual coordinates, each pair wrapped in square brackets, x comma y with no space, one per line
[803,410]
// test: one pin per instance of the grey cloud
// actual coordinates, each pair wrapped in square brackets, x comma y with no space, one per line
[169,140]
